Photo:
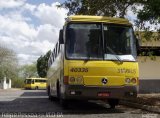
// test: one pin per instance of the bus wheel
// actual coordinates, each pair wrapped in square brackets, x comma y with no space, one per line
[113,103]
[63,102]
[36,88]
[57,90]
[49,93]
[52,98]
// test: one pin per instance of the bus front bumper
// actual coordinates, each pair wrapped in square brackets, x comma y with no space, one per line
[95,93]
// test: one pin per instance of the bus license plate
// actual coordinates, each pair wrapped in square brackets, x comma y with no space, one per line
[103,94]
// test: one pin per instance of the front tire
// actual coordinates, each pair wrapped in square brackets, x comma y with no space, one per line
[36,88]
[50,97]
[63,102]
[49,93]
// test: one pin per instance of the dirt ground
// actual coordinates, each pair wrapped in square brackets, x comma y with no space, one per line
[148,99]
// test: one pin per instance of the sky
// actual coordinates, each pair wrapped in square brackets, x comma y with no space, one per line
[31,27]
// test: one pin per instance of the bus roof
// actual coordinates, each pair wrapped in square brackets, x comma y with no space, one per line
[85,18]
[38,78]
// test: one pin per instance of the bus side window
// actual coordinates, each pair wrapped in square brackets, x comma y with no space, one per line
[52,58]
[43,80]
[33,81]
[58,48]
[54,51]
[37,80]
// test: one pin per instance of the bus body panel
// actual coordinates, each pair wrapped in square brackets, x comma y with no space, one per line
[91,92]
[54,73]
[96,70]
[93,72]
[35,83]
[114,72]
[101,19]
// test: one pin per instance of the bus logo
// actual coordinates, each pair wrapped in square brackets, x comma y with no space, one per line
[104,81]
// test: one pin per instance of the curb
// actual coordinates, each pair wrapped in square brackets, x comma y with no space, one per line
[154,109]
[11,89]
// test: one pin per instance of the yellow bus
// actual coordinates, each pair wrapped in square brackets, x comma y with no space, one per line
[35,83]
[94,59]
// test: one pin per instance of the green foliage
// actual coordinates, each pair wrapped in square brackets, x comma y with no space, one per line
[27,71]
[98,7]
[147,36]
[42,64]
[8,63]
[149,12]
[18,83]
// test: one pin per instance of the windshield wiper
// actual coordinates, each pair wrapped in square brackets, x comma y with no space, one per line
[114,54]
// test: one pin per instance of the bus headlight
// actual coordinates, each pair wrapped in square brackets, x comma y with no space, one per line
[71,79]
[133,80]
[76,80]
[79,80]
[127,80]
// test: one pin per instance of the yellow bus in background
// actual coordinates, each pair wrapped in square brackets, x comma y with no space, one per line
[94,59]
[35,83]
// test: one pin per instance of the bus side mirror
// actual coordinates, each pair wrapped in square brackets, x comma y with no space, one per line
[138,46]
[61,41]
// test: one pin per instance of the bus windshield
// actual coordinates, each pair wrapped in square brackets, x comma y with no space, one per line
[100,41]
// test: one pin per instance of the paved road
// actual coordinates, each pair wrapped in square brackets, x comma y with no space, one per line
[35,103]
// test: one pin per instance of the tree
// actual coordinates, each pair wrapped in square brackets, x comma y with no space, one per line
[42,64]
[27,71]
[18,83]
[99,7]
[8,63]
[149,12]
